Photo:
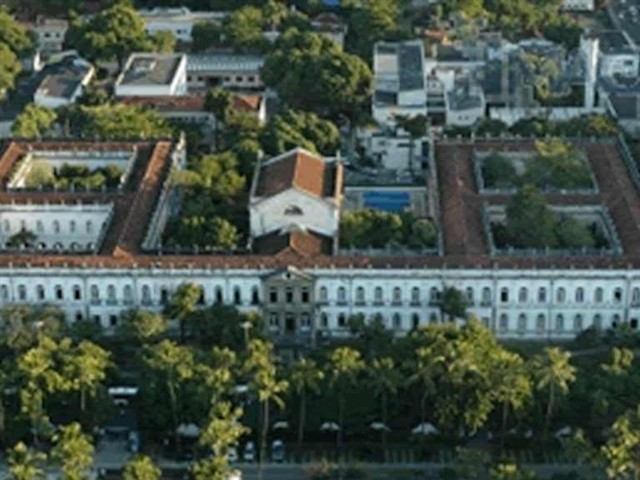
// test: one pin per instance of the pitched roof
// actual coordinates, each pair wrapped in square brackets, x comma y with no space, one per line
[192,103]
[302,242]
[294,169]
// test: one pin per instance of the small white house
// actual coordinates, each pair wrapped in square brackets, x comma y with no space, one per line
[296,190]
[179,21]
[63,82]
[153,74]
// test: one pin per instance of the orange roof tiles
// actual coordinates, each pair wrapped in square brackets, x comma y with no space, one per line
[295,169]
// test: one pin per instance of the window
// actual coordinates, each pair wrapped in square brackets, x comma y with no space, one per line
[288,295]
[305,321]
[89,226]
[397,296]
[146,295]
[113,320]
[542,295]
[579,295]
[323,294]
[397,321]
[523,295]
[237,296]
[342,320]
[433,318]
[617,295]
[615,321]
[597,321]
[504,295]
[559,323]
[72,226]
[40,292]
[39,226]
[504,322]
[304,295]
[77,293]
[598,295]
[469,295]
[324,320]
[59,293]
[7,226]
[111,294]
[274,320]
[415,321]
[577,323]
[541,323]
[561,295]
[255,296]
[377,296]
[415,296]
[219,298]
[360,296]
[127,294]
[4,292]
[486,296]
[635,296]
[293,210]
[78,316]
[434,296]
[342,295]
[22,292]
[164,296]
[56,226]
[522,323]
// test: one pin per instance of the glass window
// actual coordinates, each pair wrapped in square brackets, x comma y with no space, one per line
[237,296]
[40,292]
[255,296]
[504,295]
[397,320]
[469,295]
[434,295]
[486,296]
[617,295]
[89,226]
[288,295]
[561,295]
[577,323]
[597,321]
[523,295]
[59,293]
[559,323]
[72,226]
[39,226]
[542,295]
[522,323]
[635,296]
[304,295]
[397,295]
[342,295]
[377,294]
[504,322]
[541,323]
[415,295]
[598,295]
[146,294]
[360,295]
[111,293]
[219,298]
[22,292]
[323,294]
[77,293]
[127,294]
[273,295]
[342,320]
[56,226]
[579,295]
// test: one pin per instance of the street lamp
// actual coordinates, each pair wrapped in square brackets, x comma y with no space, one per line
[246,325]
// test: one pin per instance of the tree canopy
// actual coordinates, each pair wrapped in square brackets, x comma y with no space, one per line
[10,67]
[34,122]
[293,129]
[14,34]
[119,121]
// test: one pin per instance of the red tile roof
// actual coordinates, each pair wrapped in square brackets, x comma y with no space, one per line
[192,103]
[304,243]
[295,169]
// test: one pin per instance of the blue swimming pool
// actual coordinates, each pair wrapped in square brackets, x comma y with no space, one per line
[387,201]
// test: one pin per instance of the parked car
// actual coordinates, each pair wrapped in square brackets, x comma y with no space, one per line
[249,454]
[232,454]
[277,451]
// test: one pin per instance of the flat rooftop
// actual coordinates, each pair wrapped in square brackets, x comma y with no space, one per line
[399,66]
[150,69]
[223,62]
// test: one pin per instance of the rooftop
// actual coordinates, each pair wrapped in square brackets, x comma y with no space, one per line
[192,103]
[613,41]
[399,66]
[62,79]
[150,69]
[301,242]
[180,14]
[224,62]
[626,106]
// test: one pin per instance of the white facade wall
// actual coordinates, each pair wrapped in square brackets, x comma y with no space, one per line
[49,101]
[625,64]
[269,214]
[465,118]
[578,5]
[178,85]
[507,301]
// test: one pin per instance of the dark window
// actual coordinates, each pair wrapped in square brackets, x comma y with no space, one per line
[77,295]
[255,297]
[219,298]
[164,296]
[113,320]
[273,295]
[59,293]
[237,297]
[305,295]
[289,295]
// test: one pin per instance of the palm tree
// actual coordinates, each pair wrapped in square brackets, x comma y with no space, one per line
[86,368]
[260,364]
[141,467]
[26,464]
[553,372]
[183,303]
[424,374]
[305,376]
[384,380]
[73,450]
[343,366]
[512,386]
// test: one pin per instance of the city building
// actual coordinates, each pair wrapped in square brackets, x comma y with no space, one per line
[50,33]
[234,71]
[179,21]
[152,74]
[63,82]
[329,25]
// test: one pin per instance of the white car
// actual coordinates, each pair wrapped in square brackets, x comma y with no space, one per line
[249,454]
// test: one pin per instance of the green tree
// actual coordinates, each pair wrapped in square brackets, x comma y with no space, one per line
[471,464]
[244,29]
[74,451]
[453,303]
[171,365]
[553,373]
[14,34]
[164,41]
[530,222]
[215,174]
[305,376]
[26,464]
[112,34]
[260,364]
[293,129]
[311,73]
[622,450]
[218,102]
[217,373]
[22,325]
[498,172]
[183,303]
[558,165]
[22,239]
[344,365]
[120,121]
[510,471]
[206,35]
[372,21]
[142,326]
[86,368]
[141,467]
[10,67]
[384,379]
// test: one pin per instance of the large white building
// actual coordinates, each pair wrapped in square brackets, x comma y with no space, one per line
[179,21]
[302,289]
[153,74]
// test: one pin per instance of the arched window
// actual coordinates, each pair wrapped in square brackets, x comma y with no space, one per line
[377,295]
[342,295]
[635,296]
[342,320]
[146,295]
[434,295]
[56,226]
[504,295]
[59,293]
[559,323]
[522,323]
[615,321]
[4,292]
[218,295]
[293,210]
[415,296]
[597,321]
[617,295]
[22,292]
[324,320]
[486,296]
[72,226]
[89,226]
[255,296]
[469,294]
[598,295]
[541,323]
[77,293]
[94,293]
[579,295]
[323,294]
[39,226]
[40,292]
[577,323]
[504,322]
[397,296]
[415,321]
[237,296]
[127,294]
[360,295]
[523,295]
[542,295]
[561,295]
[397,321]
[111,294]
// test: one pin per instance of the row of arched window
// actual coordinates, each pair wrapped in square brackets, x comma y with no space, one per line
[561,295]
[55,227]
[395,321]
[560,324]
